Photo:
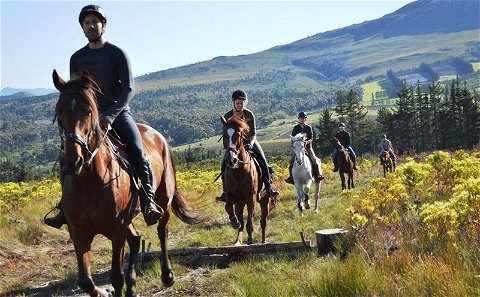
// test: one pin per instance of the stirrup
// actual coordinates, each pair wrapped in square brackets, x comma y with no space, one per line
[152,213]
[55,221]
[289,180]
[222,198]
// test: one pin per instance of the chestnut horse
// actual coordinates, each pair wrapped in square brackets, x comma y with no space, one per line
[97,194]
[242,181]
[387,163]
[345,163]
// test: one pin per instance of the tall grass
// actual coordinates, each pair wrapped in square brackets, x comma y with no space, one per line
[392,257]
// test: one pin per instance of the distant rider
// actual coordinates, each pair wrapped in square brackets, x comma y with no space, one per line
[386,145]
[344,138]
[303,127]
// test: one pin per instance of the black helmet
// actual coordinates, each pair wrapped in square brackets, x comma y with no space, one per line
[302,115]
[342,124]
[239,94]
[94,9]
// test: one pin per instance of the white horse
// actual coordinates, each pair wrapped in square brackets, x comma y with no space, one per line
[302,174]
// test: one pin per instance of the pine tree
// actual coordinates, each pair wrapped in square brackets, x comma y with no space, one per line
[341,107]
[355,114]
[434,91]
[326,129]
[404,118]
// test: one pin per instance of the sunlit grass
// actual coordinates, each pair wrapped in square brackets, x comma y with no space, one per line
[366,270]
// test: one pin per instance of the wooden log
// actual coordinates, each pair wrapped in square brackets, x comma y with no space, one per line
[328,240]
[195,255]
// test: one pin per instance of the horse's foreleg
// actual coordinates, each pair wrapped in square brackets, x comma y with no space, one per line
[85,282]
[342,178]
[306,190]
[116,273]
[239,214]
[263,218]
[133,239]
[250,218]
[317,194]
[350,179]
[299,190]
[168,278]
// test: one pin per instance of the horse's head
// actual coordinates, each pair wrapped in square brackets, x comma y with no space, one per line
[385,156]
[77,115]
[235,130]
[298,142]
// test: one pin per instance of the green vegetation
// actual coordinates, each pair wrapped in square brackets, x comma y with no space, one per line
[412,234]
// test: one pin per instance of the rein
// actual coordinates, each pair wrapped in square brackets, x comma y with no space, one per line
[84,145]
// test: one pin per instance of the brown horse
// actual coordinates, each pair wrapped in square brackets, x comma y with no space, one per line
[387,163]
[345,163]
[97,194]
[242,181]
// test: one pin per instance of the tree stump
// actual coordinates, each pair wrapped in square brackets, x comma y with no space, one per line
[329,240]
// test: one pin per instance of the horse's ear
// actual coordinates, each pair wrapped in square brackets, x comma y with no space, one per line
[292,138]
[223,120]
[57,80]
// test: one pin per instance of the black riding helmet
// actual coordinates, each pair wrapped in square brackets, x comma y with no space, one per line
[302,115]
[239,94]
[94,9]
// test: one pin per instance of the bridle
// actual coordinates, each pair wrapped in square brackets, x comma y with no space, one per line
[86,152]
[234,152]
[299,162]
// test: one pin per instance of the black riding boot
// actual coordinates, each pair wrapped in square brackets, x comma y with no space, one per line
[223,197]
[151,212]
[335,165]
[58,220]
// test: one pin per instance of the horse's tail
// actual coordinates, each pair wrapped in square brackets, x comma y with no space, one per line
[184,212]
[180,206]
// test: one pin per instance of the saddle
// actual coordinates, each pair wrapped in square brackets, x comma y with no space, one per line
[118,151]
[271,171]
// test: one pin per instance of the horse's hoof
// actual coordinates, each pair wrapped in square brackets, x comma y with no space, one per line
[307,205]
[316,210]
[234,222]
[250,241]
[168,279]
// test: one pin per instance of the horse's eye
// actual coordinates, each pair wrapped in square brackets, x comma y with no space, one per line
[88,112]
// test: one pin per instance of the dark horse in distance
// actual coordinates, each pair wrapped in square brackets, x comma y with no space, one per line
[387,163]
[97,197]
[345,164]
[242,181]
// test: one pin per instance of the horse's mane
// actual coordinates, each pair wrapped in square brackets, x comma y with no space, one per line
[238,122]
[336,142]
[88,89]
[300,136]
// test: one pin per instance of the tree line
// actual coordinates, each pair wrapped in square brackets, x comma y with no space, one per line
[444,117]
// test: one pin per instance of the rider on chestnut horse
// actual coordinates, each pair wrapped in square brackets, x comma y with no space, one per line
[239,100]
[386,146]
[110,67]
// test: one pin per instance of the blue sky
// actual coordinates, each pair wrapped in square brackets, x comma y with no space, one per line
[38,36]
